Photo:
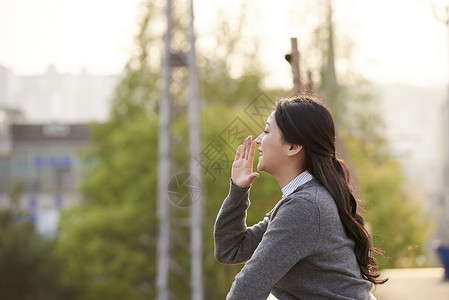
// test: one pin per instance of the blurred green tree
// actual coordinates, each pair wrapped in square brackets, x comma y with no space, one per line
[108,242]
[28,268]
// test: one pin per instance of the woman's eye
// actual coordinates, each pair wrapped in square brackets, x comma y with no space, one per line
[265,131]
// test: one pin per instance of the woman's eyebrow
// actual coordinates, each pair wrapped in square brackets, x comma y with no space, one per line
[268,123]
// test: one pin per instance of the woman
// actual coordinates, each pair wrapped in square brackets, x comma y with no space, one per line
[312,245]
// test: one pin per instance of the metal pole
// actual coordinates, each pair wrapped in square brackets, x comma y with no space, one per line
[196,213]
[163,247]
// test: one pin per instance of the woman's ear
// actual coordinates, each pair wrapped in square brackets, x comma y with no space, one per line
[294,149]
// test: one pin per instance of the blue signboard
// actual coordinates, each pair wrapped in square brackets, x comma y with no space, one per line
[52,161]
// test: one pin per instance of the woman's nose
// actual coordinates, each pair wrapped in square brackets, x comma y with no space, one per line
[257,140]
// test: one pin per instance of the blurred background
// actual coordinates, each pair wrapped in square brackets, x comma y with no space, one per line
[81,84]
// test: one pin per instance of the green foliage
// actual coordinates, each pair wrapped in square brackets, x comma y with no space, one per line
[109,241]
[396,216]
[395,213]
[28,267]
[387,200]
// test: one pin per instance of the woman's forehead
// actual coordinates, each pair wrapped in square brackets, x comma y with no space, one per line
[271,118]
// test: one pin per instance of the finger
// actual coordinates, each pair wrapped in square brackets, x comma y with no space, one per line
[253,176]
[248,147]
[245,145]
[252,151]
[238,152]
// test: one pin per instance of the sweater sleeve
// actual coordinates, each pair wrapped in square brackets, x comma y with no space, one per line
[234,241]
[292,235]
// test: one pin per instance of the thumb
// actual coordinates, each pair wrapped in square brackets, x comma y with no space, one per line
[253,176]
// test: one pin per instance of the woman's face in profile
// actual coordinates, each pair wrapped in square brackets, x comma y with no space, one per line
[270,147]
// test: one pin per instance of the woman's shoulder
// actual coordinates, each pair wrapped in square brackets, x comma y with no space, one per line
[308,198]
[310,191]
[316,195]
[301,201]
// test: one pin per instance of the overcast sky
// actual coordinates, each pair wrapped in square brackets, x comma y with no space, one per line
[397,41]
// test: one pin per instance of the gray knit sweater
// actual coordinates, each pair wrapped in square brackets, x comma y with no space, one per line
[299,251]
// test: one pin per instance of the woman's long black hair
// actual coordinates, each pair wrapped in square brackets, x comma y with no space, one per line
[305,121]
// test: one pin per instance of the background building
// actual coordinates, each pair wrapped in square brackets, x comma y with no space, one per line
[43,162]
[43,130]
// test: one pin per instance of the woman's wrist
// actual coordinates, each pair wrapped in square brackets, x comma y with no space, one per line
[242,188]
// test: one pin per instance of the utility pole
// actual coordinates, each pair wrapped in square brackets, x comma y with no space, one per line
[443,226]
[196,245]
[163,245]
[293,59]
[179,73]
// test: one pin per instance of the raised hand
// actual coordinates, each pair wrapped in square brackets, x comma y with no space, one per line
[242,174]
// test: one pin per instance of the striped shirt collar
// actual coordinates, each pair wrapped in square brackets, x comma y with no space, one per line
[296,182]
